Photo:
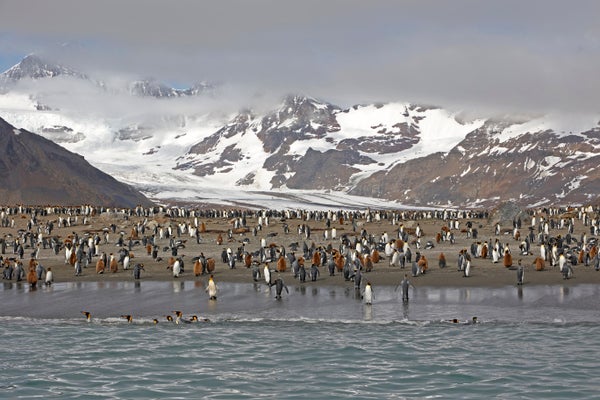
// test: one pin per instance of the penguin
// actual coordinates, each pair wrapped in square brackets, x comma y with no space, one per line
[100,266]
[415,269]
[467,270]
[267,274]
[129,318]
[255,271]
[368,294]
[279,286]
[211,288]
[169,318]
[32,278]
[405,285]
[331,266]
[194,318]
[442,260]
[178,315]
[88,316]
[520,273]
[137,270]
[114,266]
[567,272]
[155,321]
[49,277]
[302,274]
[176,269]
[357,279]
[314,272]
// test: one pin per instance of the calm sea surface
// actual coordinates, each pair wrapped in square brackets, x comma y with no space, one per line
[538,342]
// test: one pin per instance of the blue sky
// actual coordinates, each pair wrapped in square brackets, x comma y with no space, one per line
[502,55]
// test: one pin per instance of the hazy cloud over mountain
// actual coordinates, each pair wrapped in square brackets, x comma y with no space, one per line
[505,55]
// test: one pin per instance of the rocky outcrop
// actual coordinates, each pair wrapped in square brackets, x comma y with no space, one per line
[38,172]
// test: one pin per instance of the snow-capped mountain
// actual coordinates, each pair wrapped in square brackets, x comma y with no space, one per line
[307,144]
[399,153]
[533,163]
[153,88]
[33,67]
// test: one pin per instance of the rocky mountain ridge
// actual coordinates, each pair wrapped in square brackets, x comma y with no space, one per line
[413,154]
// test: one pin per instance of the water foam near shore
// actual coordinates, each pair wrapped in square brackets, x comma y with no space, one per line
[256,346]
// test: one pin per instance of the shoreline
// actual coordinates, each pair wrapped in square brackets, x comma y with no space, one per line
[283,233]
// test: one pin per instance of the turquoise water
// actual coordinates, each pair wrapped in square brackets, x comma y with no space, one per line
[324,343]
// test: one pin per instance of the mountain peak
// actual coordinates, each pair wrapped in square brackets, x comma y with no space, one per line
[296,102]
[151,87]
[34,67]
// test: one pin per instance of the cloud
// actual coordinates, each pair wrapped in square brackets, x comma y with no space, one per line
[465,53]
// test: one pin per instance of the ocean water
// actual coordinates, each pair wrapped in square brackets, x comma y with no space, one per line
[317,342]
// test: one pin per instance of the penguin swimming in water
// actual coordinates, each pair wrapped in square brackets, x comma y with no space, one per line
[194,318]
[129,318]
[472,321]
[88,316]
[178,315]
[155,321]
[279,286]
[180,319]
[169,318]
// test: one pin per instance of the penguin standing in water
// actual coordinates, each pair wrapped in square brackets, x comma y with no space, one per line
[405,285]
[212,288]
[520,273]
[255,272]
[279,286]
[137,270]
[267,274]
[368,294]
[357,279]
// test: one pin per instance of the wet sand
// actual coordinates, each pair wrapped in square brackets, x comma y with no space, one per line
[484,273]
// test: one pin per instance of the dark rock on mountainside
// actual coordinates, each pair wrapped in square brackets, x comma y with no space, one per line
[540,168]
[38,171]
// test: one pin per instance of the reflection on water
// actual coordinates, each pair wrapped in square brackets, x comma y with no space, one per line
[150,298]
[368,312]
